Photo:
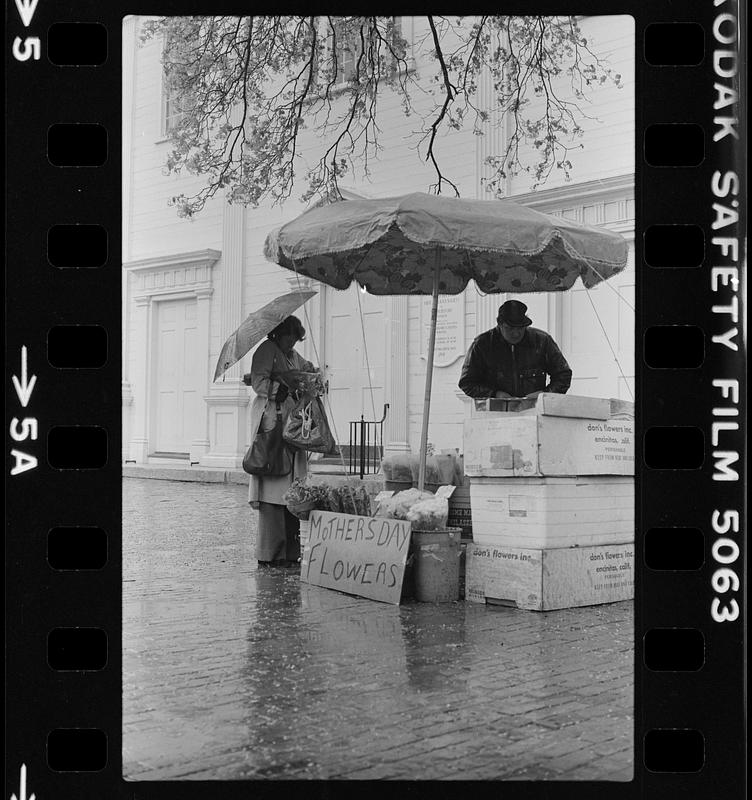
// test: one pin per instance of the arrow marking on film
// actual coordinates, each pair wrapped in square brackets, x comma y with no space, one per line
[26,9]
[22,788]
[24,388]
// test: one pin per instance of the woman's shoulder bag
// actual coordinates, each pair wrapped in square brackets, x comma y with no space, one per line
[269,456]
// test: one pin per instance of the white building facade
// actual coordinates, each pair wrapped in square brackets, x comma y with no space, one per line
[187,284]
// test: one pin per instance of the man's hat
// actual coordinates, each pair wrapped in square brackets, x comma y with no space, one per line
[513,313]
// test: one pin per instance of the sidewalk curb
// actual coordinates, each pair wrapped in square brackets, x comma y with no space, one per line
[187,474]
[163,472]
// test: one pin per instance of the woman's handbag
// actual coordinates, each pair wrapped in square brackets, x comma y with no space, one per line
[307,427]
[269,456]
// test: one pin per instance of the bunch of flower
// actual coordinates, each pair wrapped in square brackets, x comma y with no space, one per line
[429,514]
[396,467]
[398,505]
[423,510]
[310,384]
[301,491]
[350,498]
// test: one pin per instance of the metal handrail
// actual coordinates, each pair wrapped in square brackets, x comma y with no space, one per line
[366,444]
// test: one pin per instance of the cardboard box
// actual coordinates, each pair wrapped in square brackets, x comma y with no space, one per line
[555,405]
[507,445]
[551,578]
[482,406]
[552,512]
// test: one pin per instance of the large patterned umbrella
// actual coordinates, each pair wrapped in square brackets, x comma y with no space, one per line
[427,244]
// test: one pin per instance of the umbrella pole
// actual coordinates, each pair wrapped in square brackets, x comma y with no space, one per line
[429,374]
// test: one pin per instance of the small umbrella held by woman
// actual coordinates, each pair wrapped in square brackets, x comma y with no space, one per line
[278,530]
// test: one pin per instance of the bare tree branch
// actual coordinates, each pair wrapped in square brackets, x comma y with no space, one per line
[436,124]
[266,99]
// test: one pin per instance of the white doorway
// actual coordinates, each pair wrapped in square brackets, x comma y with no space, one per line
[355,365]
[176,400]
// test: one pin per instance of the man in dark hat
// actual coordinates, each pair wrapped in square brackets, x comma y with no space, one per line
[514,359]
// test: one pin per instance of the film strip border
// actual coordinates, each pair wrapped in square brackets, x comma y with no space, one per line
[690,630]
[63,401]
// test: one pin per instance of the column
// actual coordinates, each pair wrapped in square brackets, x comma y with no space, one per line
[228,398]
[126,390]
[139,444]
[396,431]
[129,87]
[486,311]
[127,405]
[321,316]
[230,300]
[555,315]
[311,348]
[200,446]
[490,144]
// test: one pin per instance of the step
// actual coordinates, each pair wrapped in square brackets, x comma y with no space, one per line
[190,474]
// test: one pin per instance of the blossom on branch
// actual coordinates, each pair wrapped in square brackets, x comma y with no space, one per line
[252,89]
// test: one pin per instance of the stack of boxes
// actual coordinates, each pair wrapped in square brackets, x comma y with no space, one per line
[552,502]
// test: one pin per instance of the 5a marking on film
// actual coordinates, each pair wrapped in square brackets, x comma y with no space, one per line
[27,428]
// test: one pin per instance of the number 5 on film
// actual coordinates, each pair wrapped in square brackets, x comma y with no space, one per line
[24,49]
[30,47]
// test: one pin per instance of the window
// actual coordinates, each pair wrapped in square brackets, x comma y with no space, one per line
[172,57]
[171,110]
[347,50]
[348,46]
[347,54]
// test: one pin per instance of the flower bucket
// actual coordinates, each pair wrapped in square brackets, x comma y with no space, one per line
[437,565]
[305,533]
[301,510]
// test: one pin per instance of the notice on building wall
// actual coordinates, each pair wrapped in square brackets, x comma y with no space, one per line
[359,555]
[450,329]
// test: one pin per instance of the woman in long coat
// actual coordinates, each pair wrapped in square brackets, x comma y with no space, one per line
[278,540]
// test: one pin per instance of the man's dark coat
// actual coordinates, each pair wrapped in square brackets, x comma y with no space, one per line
[492,365]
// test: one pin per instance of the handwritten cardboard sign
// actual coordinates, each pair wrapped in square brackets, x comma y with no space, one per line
[358,555]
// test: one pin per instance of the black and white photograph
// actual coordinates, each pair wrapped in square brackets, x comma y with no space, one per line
[378,398]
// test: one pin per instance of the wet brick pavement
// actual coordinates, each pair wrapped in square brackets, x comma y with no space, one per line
[231,672]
